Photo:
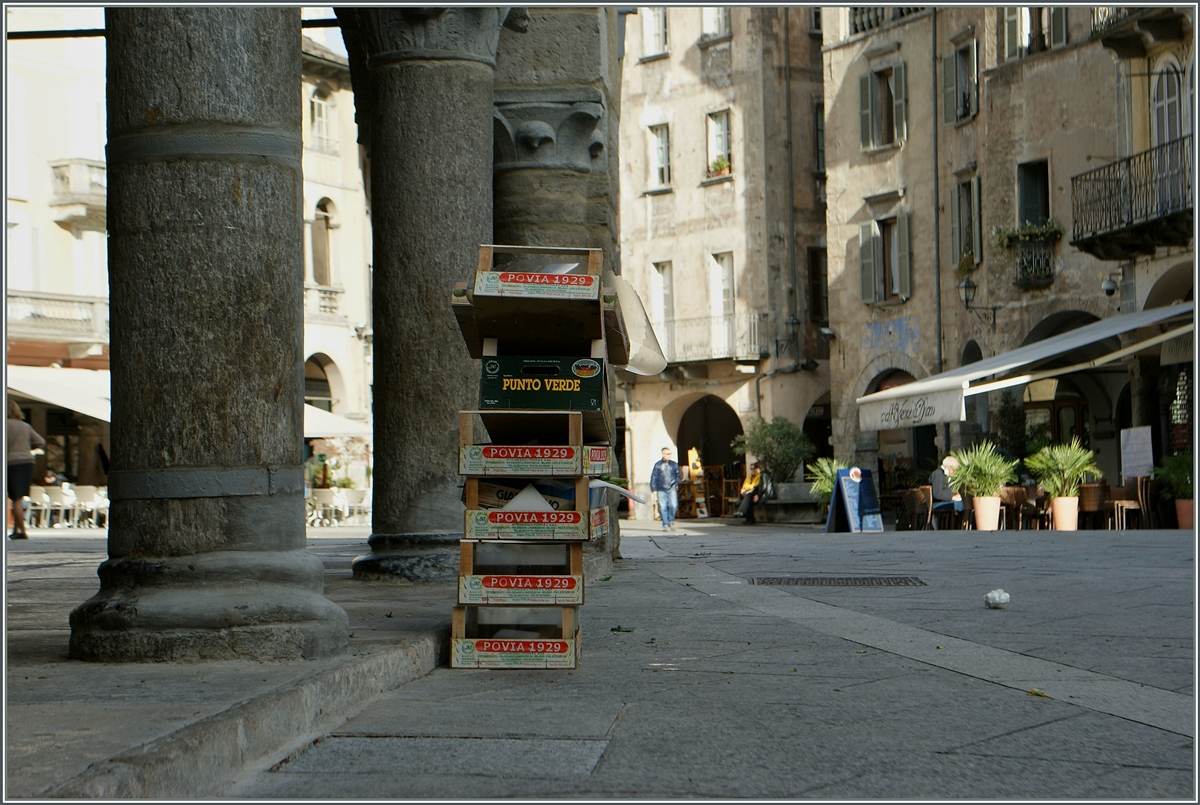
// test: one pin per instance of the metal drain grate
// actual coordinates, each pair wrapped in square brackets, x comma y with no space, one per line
[843,581]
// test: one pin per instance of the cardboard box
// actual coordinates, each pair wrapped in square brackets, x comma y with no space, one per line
[533,461]
[513,637]
[520,589]
[496,495]
[553,525]
[510,653]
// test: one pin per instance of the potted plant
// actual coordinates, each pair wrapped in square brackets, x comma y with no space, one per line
[822,475]
[1176,476]
[719,167]
[982,470]
[1060,469]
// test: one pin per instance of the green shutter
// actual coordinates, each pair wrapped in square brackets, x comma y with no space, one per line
[900,106]
[905,257]
[955,235]
[1058,27]
[1012,32]
[866,260]
[974,77]
[864,110]
[949,88]
[976,221]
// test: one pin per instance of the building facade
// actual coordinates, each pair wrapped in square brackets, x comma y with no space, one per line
[722,226]
[57,250]
[952,138]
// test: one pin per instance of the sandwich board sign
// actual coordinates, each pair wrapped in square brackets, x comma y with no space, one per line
[854,506]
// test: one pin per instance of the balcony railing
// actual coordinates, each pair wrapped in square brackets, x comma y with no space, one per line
[1034,263]
[711,337]
[867,18]
[57,317]
[1133,205]
[322,299]
[77,181]
[1105,18]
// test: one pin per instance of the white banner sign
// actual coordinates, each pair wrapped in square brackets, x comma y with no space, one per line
[1177,350]
[909,412]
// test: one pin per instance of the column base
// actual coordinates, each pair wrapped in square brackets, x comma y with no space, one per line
[410,557]
[224,605]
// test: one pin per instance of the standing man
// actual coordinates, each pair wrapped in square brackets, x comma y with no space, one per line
[664,479]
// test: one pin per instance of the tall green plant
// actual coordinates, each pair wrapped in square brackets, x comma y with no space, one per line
[822,474]
[1010,426]
[1061,468]
[780,445]
[982,470]
[1176,475]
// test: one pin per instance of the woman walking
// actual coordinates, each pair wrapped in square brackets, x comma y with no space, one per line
[22,438]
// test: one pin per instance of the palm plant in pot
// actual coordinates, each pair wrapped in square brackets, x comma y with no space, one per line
[1060,469]
[1176,476]
[822,474]
[982,470]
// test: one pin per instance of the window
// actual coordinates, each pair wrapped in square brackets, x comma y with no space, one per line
[882,107]
[1033,193]
[715,22]
[661,157]
[323,128]
[814,24]
[819,137]
[1032,30]
[966,242]
[1166,105]
[721,300]
[322,274]
[656,31]
[818,296]
[960,83]
[885,259]
[719,163]
[665,280]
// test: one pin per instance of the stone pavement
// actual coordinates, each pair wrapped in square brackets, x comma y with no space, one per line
[1081,688]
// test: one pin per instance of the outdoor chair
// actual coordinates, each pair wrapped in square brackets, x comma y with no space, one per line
[325,507]
[1093,501]
[918,506]
[353,500]
[62,502]
[89,502]
[35,506]
[1012,498]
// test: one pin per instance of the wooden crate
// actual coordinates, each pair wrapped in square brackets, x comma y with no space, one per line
[504,572]
[514,637]
[529,443]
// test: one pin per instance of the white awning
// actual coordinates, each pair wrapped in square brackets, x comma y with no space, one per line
[939,398]
[86,391]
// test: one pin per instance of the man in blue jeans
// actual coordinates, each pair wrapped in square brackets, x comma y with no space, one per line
[664,479]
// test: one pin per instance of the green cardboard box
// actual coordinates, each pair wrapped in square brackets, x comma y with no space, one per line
[546,383]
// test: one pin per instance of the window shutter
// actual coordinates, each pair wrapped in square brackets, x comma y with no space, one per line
[864,110]
[901,103]
[866,260]
[949,88]
[974,89]
[1058,26]
[955,234]
[976,221]
[1012,32]
[905,262]
[1029,201]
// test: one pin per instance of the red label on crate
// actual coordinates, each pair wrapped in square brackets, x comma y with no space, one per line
[522,646]
[503,517]
[529,452]
[585,280]
[529,582]
[598,454]
[599,517]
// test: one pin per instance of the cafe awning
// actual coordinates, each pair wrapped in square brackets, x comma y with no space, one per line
[86,391]
[939,398]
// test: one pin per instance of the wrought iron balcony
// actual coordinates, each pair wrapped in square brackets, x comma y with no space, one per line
[1034,263]
[1131,31]
[711,338]
[1134,205]
[79,192]
[60,318]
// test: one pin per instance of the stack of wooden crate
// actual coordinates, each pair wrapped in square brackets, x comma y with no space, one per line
[546,334]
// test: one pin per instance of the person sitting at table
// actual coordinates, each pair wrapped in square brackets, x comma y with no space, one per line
[945,498]
[751,491]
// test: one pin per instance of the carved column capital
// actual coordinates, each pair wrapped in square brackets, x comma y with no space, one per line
[422,34]
[551,129]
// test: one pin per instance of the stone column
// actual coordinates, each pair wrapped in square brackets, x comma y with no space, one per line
[206,547]
[558,92]
[429,84]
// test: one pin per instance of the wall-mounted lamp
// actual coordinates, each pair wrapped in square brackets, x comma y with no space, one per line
[809,365]
[793,329]
[966,292]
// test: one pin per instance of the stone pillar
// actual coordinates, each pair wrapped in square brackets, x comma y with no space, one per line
[429,101]
[206,547]
[557,101]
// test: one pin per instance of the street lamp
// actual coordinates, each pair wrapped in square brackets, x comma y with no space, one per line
[966,292]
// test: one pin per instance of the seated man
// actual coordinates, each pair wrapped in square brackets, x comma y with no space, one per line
[751,491]
[945,498]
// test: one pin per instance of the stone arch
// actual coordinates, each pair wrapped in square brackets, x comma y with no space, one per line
[853,444]
[1176,283]
[709,424]
[324,222]
[324,384]
[672,412]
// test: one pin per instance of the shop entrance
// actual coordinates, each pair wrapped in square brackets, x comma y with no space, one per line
[818,427]
[708,426]
[906,455]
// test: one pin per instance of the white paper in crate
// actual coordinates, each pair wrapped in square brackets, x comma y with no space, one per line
[528,500]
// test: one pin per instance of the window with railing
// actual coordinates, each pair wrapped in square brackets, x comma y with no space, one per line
[867,18]
[712,337]
[1027,30]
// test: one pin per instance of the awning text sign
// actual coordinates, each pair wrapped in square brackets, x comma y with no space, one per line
[911,411]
